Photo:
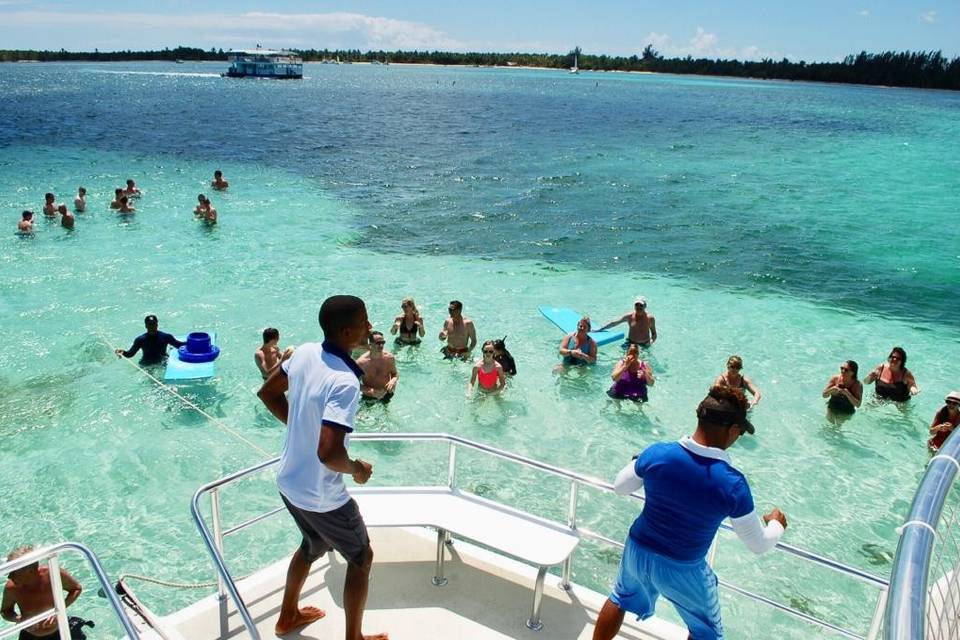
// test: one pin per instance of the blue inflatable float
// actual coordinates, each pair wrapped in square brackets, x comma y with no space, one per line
[199,348]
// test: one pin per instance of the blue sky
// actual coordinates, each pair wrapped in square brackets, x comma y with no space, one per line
[809,30]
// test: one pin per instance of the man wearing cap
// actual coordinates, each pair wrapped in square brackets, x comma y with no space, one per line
[643,326]
[690,487]
[154,343]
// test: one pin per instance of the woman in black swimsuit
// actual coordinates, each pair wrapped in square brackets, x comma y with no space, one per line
[733,377]
[409,323]
[893,380]
[844,390]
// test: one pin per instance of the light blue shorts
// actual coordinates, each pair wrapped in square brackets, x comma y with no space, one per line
[690,586]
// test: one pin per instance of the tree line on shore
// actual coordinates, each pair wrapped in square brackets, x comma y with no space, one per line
[923,69]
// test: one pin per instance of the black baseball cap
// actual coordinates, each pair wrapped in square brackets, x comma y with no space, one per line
[725,413]
[150,319]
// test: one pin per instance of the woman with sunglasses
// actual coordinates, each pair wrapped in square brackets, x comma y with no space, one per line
[409,323]
[844,390]
[733,377]
[487,372]
[578,347]
[945,421]
[893,381]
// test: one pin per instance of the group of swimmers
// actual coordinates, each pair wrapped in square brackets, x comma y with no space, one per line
[121,203]
[631,375]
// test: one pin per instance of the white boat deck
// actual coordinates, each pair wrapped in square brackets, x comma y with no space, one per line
[487,598]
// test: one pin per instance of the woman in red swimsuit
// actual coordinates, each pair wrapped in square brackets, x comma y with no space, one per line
[946,420]
[487,373]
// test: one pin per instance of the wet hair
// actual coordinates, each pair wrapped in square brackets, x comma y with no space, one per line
[150,319]
[900,352]
[584,319]
[488,342]
[456,304]
[49,196]
[633,348]
[26,215]
[853,366]
[118,191]
[374,334]
[217,173]
[82,190]
[735,362]
[270,334]
[338,313]
[500,344]
[130,182]
[124,199]
[62,208]
[411,302]
[201,197]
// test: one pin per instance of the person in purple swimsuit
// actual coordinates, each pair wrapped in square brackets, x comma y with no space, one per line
[631,377]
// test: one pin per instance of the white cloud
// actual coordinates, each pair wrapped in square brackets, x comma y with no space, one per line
[929,16]
[703,41]
[865,13]
[337,29]
[659,41]
[704,44]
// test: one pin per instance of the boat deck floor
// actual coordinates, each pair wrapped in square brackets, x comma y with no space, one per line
[487,597]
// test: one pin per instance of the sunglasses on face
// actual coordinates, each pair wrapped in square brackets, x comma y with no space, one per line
[379,343]
[488,351]
[894,358]
[844,369]
[953,403]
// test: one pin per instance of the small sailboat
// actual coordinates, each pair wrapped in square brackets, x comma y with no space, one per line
[574,68]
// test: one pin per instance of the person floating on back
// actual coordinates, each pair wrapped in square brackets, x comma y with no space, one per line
[316,393]
[153,343]
[268,356]
[380,375]
[218,182]
[29,590]
[690,487]
[80,202]
[643,326]
[25,226]
[459,333]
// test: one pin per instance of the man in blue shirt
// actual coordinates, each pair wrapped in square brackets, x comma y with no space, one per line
[153,343]
[690,487]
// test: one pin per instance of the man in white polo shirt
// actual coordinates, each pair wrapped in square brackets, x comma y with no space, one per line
[324,386]
[690,487]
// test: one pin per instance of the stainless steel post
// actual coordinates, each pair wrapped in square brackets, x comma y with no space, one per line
[534,622]
[572,523]
[438,579]
[63,625]
[452,466]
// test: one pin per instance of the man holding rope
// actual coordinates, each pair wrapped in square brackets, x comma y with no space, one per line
[324,388]
[153,343]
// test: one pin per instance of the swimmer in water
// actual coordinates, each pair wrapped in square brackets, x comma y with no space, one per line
[218,182]
[409,323]
[844,391]
[631,377]
[946,420]
[380,375]
[132,191]
[487,373]
[578,348]
[733,378]
[30,590]
[268,357]
[49,205]
[117,194]
[125,206]
[26,222]
[67,219]
[201,205]
[153,343]
[643,326]
[893,381]
[209,213]
[459,333]
[80,202]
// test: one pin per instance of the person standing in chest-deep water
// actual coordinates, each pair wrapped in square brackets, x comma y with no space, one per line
[690,487]
[459,333]
[643,326]
[80,202]
[153,343]
[324,389]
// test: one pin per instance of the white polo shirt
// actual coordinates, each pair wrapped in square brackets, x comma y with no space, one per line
[324,388]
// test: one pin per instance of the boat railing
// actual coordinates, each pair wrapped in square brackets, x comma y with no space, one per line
[929,550]
[214,535]
[51,555]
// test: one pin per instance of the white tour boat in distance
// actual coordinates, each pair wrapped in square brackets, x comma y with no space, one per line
[264,63]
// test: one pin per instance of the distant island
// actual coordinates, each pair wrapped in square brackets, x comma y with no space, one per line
[920,69]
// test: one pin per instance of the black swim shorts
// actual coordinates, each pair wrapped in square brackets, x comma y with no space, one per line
[342,530]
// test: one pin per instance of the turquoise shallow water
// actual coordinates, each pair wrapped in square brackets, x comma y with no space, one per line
[797,225]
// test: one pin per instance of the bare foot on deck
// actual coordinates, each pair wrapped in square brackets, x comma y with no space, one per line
[304,617]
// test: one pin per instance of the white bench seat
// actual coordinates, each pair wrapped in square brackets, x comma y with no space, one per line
[512,532]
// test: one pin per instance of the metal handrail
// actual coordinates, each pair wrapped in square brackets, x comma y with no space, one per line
[906,611]
[213,541]
[51,555]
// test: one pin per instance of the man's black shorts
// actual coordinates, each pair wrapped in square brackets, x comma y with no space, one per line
[341,529]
